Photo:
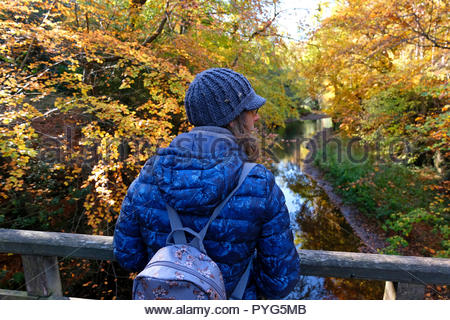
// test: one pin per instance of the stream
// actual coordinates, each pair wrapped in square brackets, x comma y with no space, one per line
[316,222]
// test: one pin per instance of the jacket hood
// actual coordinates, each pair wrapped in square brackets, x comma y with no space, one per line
[198,169]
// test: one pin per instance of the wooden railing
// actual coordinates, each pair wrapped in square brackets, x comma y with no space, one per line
[405,277]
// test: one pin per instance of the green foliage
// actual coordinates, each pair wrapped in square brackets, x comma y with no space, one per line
[11,280]
[403,223]
[397,101]
[414,116]
[394,244]
[401,198]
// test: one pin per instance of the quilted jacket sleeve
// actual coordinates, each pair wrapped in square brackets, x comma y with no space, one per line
[277,263]
[129,248]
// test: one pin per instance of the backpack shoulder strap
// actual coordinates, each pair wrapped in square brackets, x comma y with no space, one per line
[239,290]
[176,226]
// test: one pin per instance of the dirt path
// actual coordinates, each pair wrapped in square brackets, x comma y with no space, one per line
[366,229]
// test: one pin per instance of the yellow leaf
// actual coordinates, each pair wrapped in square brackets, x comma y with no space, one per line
[59,166]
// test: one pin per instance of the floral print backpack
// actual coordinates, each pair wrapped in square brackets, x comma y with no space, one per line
[182,270]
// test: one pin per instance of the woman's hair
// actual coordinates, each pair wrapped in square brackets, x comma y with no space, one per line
[244,136]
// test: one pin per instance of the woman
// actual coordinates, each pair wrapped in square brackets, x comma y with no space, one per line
[195,173]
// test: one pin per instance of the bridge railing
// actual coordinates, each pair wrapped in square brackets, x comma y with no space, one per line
[405,277]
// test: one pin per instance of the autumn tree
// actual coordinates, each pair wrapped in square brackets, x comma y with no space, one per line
[90,89]
[381,67]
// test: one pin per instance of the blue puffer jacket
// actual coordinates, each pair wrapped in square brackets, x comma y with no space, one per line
[193,175]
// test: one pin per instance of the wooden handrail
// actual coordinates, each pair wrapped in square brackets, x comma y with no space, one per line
[59,244]
[415,270]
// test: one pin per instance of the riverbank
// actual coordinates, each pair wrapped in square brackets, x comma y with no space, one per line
[314,116]
[409,203]
[366,229]
[412,219]
[310,116]
[423,239]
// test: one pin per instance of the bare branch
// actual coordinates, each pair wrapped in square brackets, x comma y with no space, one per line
[22,65]
[158,31]
[87,21]
[420,30]
[46,114]
[256,33]
[48,136]
[76,15]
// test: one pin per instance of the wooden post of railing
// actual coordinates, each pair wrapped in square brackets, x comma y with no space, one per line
[410,291]
[403,291]
[39,251]
[42,276]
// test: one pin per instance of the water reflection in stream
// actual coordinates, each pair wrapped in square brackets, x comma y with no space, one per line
[317,223]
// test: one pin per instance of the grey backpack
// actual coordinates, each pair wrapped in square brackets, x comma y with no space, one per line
[182,270]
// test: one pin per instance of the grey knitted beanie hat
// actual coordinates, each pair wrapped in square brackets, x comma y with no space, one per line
[217,96]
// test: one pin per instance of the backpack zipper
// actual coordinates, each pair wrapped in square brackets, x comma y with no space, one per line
[188,270]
